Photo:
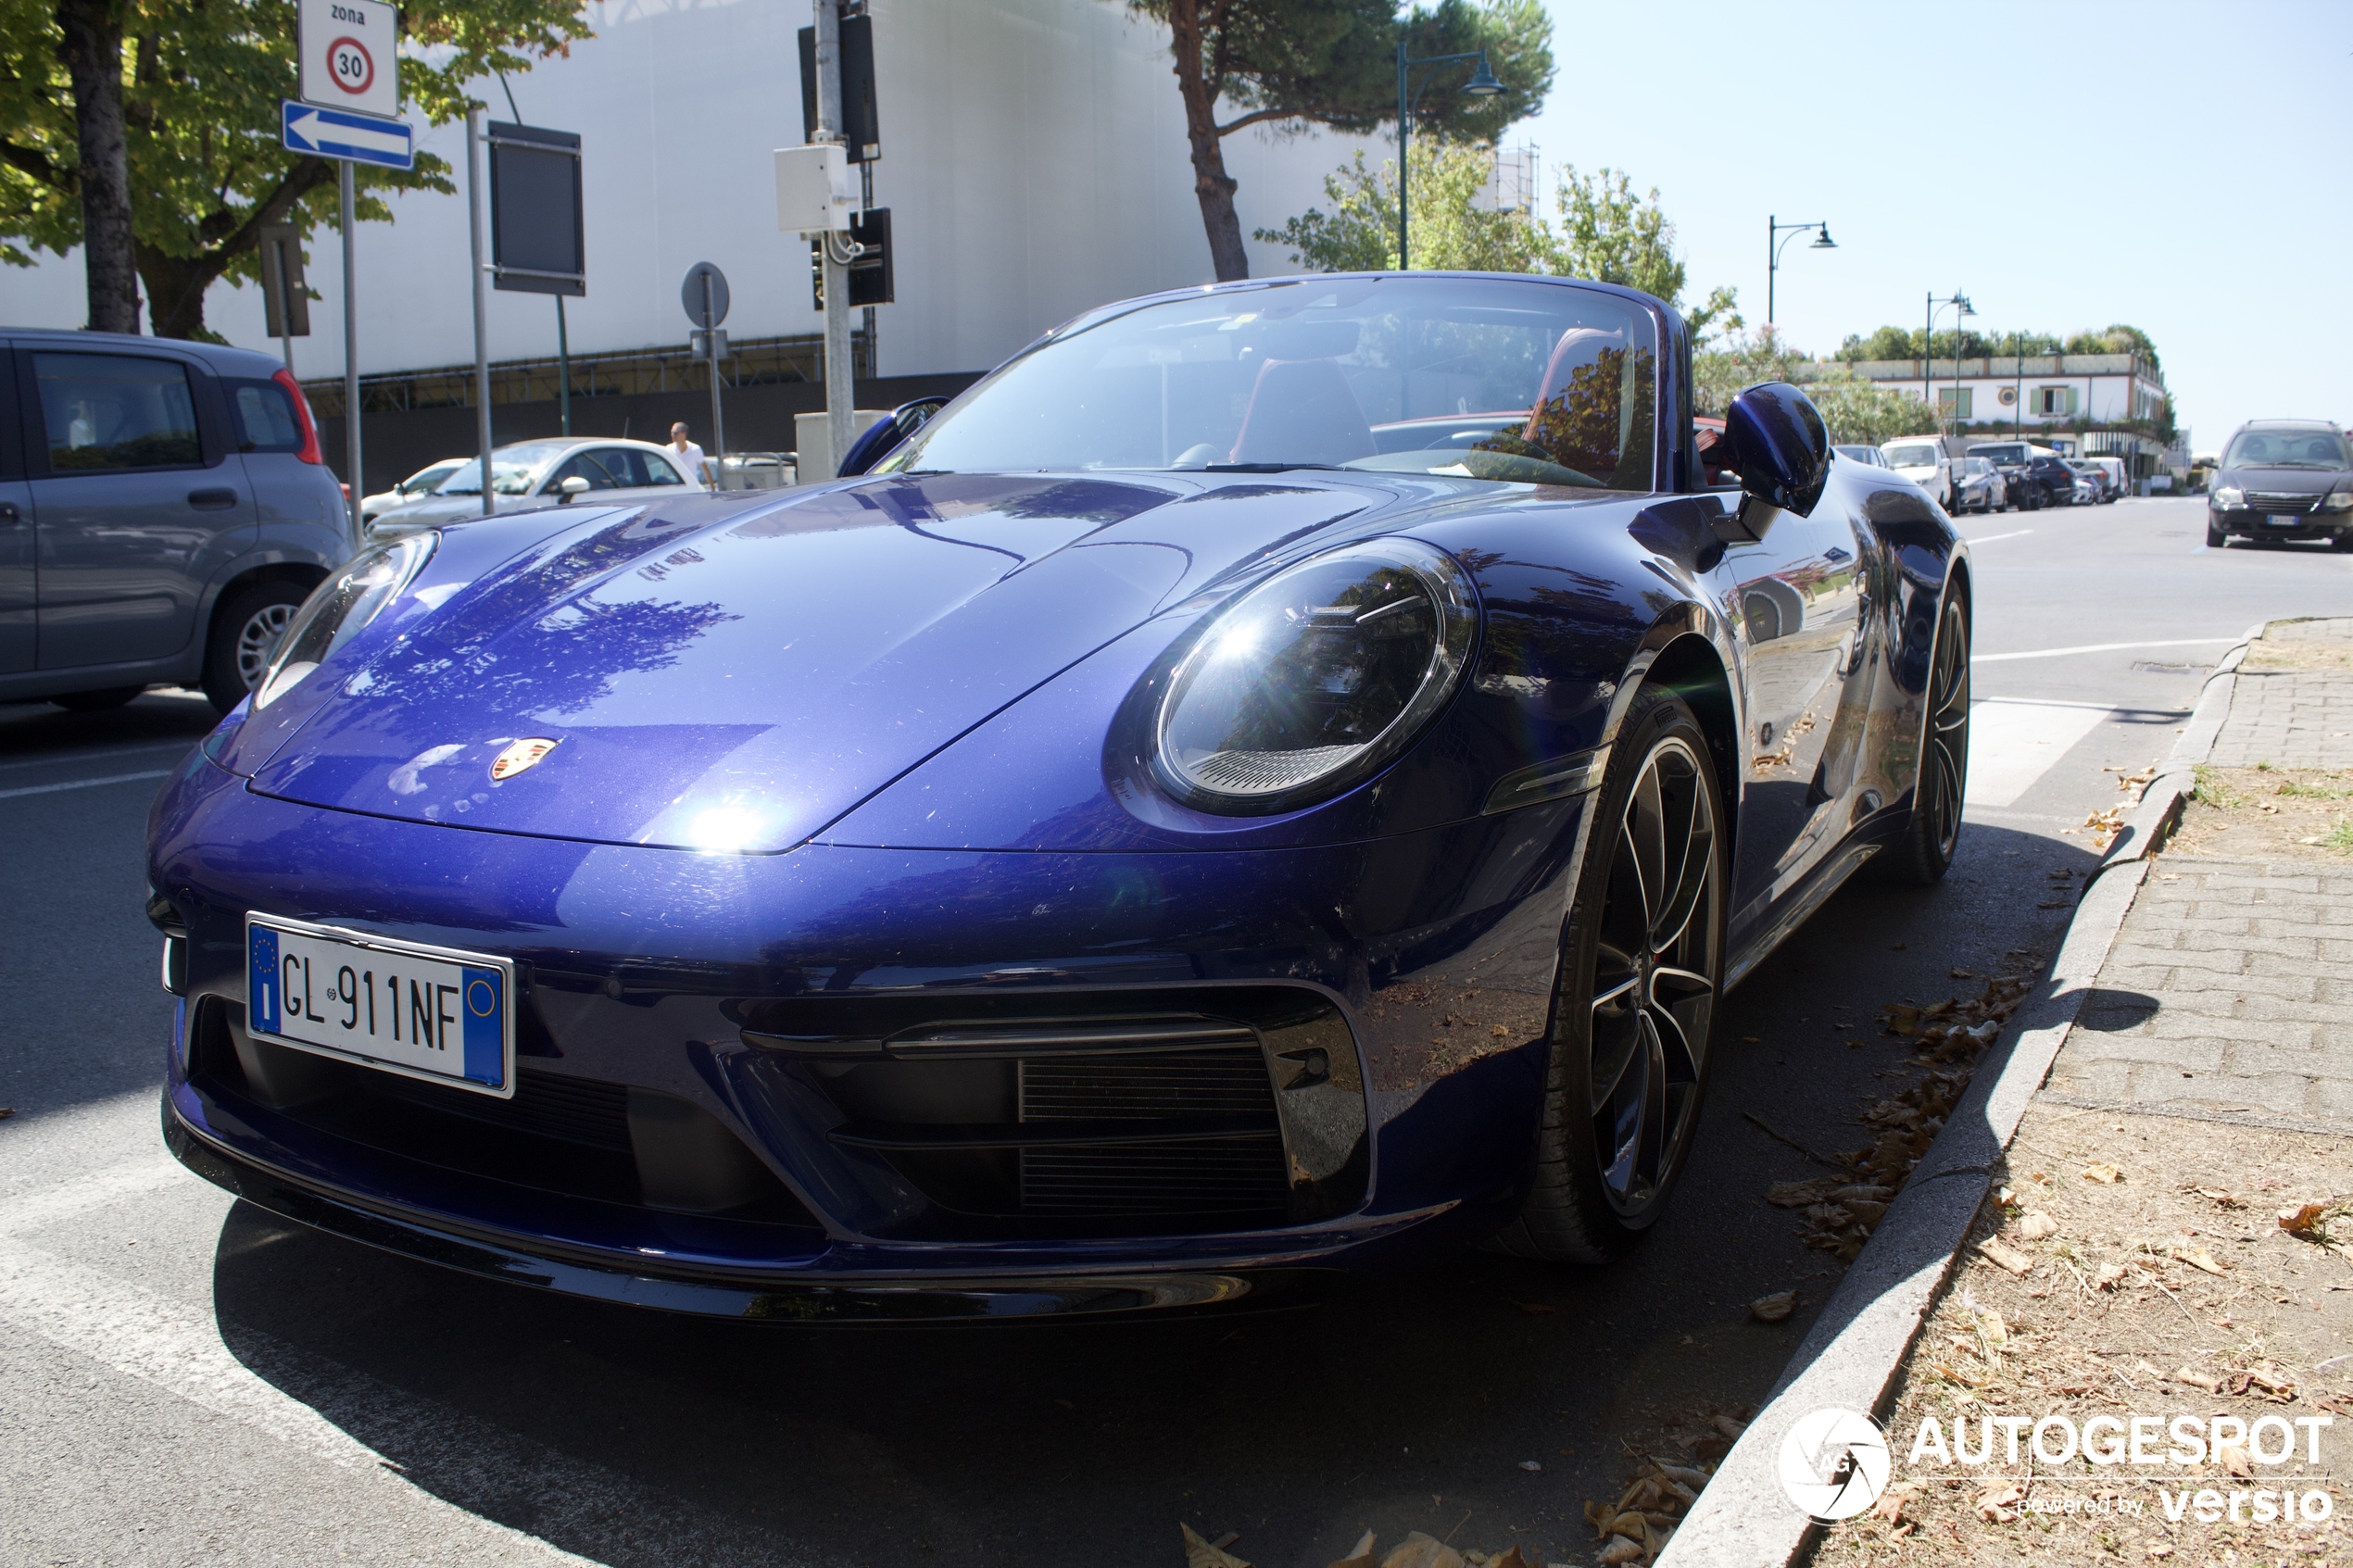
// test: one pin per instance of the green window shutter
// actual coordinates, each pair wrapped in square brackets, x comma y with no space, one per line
[2071,400]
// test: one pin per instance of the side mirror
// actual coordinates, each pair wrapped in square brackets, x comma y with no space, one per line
[1781,450]
[572,487]
[878,439]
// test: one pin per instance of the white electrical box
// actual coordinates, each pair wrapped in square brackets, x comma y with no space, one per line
[814,190]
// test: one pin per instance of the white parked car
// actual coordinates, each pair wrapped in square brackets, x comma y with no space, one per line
[545,472]
[1870,456]
[416,487]
[1924,461]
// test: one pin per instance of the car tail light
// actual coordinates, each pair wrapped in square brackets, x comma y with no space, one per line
[310,453]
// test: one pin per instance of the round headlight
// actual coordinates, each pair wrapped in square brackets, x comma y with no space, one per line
[1315,678]
[338,607]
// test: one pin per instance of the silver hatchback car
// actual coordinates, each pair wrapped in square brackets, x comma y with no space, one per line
[164,508]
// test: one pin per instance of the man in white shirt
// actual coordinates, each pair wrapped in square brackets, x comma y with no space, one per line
[690,456]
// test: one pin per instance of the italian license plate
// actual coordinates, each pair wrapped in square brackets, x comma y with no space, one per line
[2282,521]
[423,1012]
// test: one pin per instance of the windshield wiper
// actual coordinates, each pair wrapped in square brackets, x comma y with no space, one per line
[1257,468]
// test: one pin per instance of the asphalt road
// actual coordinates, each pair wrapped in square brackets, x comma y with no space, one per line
[190,1380]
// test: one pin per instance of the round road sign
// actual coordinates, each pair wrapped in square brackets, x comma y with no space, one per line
[349,64]
[693,296]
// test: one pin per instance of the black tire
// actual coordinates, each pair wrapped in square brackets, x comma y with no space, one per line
[2215,538]
[1631,1012]
[1933,833]
[244,633]
[97,702]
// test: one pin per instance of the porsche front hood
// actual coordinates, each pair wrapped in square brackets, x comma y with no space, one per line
[736,684]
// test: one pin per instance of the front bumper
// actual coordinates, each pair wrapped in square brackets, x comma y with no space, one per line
[641,969]
[2245,523]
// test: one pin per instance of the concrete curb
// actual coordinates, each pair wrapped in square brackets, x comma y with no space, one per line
[1850,1357]
[2176,779]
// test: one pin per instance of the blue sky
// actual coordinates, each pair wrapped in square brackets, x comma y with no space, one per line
[2071,163]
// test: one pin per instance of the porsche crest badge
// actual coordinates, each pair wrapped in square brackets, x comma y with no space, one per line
[518,757]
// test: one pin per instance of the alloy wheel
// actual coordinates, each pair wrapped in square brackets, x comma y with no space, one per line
[1655,976]
[1945,758]
[258,639]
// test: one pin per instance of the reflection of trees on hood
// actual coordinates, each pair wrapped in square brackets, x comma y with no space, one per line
[506,643]
[564,662]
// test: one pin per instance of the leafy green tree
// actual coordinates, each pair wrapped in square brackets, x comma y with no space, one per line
[1290,64]
[1858,411]
[1901,342]
[1452,234]
[1611,236]
[189,93]
[1742,361]
[2117,339]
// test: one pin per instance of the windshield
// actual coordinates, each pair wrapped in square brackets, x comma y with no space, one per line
[2288,449]
[1912,456]
[512,470]
[1477,378]
[2005,454]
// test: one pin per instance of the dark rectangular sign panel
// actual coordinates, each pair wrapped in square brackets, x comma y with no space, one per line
[537,239]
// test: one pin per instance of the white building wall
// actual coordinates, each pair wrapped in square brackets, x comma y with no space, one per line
[1035,163]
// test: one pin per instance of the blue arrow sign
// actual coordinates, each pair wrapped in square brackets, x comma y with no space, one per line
[363,138]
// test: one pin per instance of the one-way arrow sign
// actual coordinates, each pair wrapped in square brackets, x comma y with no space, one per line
[361,138]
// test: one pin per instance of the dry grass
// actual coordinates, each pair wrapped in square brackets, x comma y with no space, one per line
[2264,814]
[2172,1290]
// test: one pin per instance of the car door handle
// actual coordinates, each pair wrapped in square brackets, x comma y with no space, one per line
[212,500]
[9,513]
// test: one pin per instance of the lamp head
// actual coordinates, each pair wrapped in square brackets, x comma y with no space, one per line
[1482,84]
[1967,309]
[1824,241]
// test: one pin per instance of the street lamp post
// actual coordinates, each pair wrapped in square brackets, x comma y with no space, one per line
[1775,244]
[1928,346]
[1482,84]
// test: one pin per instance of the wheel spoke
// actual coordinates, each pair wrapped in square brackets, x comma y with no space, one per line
[1645,834]
[1685,983]
[1678,1061]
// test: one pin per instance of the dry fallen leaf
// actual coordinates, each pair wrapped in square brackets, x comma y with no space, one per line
[1993,1502]
[2198,1380]
[1620,1551]
[2109,1275]
[2302,1220]
[2008,1257]
[1421,1552]
[2035,1227]
[2107,1175]
[1962,1375]
[1727,1426]
[1890,1508]
[1509,1558]
[1198,1553]
[1774,1308]
[2200,1258]
[1629,1524]
[1684,1473]
[2232,1456]
[1360,1558]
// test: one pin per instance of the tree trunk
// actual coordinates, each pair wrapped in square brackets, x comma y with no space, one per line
[92,55]
[176,284]
[1211,184]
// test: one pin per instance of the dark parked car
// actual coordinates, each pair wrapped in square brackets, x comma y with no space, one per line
[2010,459]
[1197,814]
[2282,479]
[2047,482]
[163,511]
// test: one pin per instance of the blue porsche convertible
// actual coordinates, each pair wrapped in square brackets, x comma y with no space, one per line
[1271,781]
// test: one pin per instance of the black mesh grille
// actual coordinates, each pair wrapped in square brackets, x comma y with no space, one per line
[581,1110]
[1238,1174]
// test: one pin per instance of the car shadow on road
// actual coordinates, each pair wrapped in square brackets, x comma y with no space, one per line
[1413,1402]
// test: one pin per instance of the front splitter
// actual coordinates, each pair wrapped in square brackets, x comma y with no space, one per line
[873,1302]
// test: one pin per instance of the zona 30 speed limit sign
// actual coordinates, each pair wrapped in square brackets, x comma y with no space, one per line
[350,56]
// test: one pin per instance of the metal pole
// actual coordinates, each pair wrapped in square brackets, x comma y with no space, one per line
[482,298]
[1404,113]
[350,342]
[563,368]
[1772,261]
[718,428]
[285,309]
[1927,343]
[841,398]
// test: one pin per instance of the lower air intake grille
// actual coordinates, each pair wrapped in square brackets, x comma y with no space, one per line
[1240,1174]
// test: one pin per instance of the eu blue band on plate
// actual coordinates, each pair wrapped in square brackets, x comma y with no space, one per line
[261,991]
[486,1026]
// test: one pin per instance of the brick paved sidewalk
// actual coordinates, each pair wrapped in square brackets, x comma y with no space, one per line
[2229,993]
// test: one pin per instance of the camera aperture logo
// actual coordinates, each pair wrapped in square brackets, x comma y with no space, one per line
[1834,1463]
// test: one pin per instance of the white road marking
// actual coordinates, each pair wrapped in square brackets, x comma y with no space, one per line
[83,784]
[2100,648]
[113,754]
[2013,744]
[282,1390]
[1989,538]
